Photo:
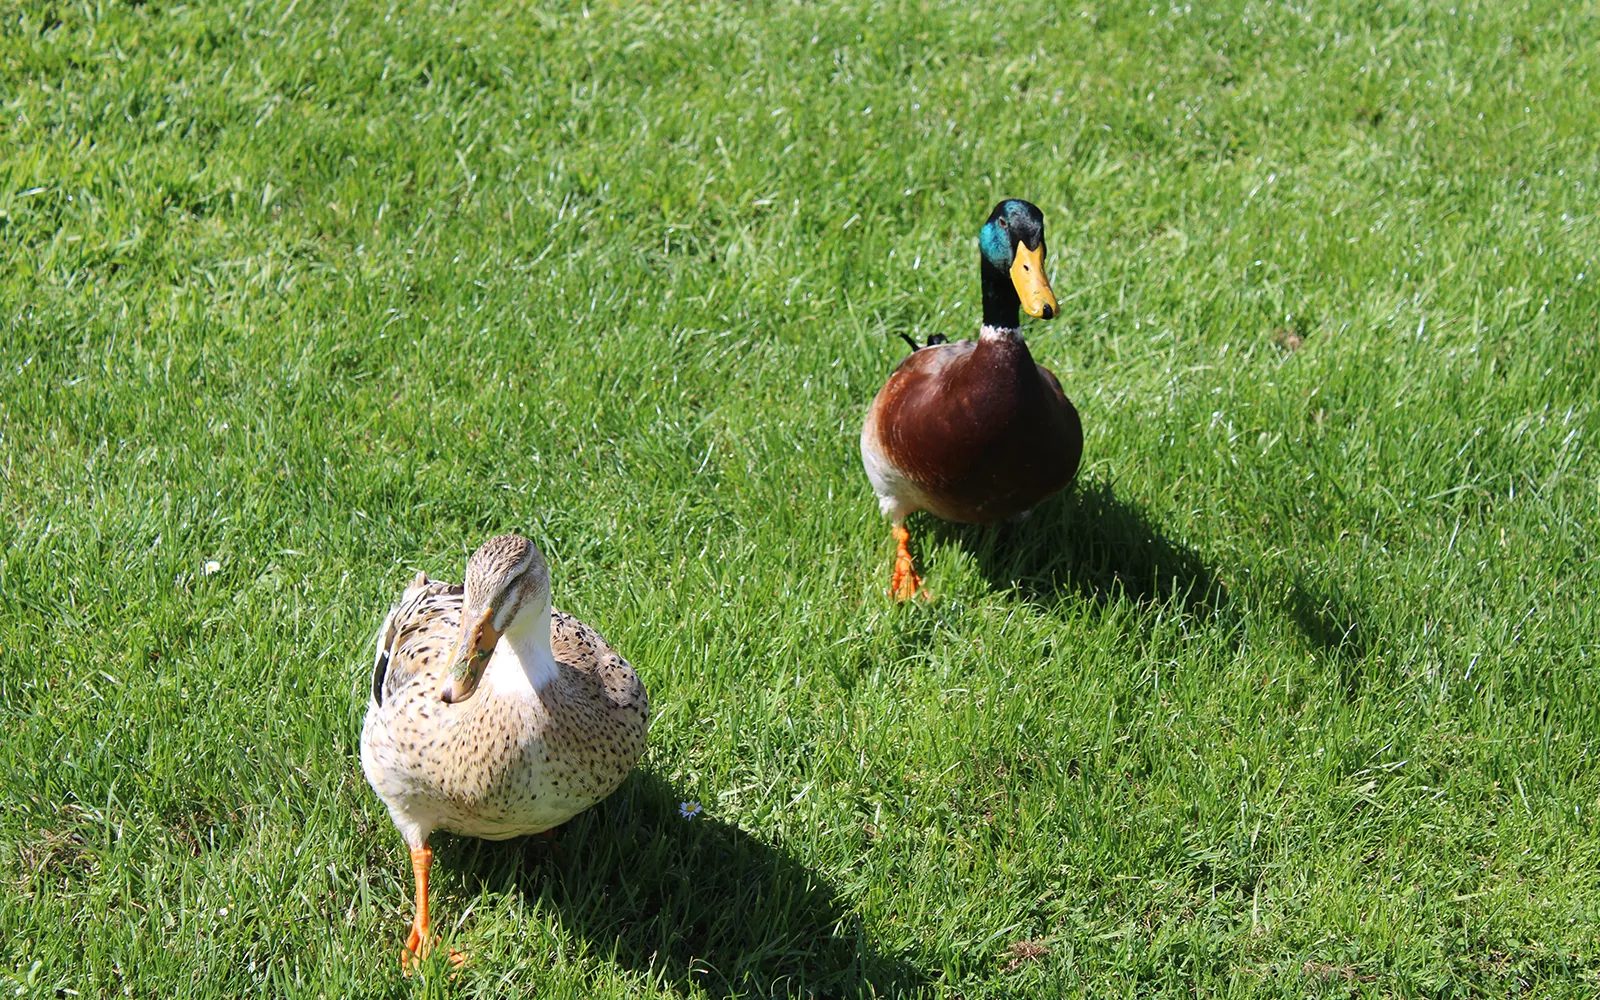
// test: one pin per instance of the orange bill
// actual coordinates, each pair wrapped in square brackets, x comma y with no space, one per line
[1033,288]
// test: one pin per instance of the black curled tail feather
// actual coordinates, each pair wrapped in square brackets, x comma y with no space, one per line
[933,341]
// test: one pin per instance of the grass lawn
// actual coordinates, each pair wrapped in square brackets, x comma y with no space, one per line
[1297,694]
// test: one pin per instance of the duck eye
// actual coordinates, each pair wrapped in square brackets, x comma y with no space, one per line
[1001,223]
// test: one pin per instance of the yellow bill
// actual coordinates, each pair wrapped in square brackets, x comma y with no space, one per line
[1033,288]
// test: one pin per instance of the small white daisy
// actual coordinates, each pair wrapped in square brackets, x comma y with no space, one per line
[688,810]
[211,567]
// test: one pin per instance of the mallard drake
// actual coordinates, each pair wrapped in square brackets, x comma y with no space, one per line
[975,431]
[491,714]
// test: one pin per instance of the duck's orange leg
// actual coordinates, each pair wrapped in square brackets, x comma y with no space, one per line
[420,941]
[903,585]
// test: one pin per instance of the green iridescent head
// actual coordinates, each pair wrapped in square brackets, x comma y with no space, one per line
[1012,246]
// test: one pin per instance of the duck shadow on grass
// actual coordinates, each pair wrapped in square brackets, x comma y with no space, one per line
[1089,542]
[691,903]
[1336,628]
[1329,619]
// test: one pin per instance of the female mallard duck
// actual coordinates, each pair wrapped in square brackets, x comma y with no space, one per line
[491,714]
[974,431]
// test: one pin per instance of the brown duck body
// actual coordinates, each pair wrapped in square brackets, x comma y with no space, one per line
[973,431]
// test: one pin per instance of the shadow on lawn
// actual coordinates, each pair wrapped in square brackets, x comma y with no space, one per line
[1334,626]
[1088,542]
[694,902]
[1329,619]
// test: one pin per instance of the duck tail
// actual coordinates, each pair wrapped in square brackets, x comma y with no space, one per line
[933,341]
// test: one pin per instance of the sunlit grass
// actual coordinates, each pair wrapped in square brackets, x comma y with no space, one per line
[1295,695]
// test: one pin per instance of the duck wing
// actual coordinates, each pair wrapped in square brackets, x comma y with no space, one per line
[580,647]
[416,636]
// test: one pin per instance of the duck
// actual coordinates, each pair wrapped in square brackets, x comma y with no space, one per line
[975,431]
[491,714]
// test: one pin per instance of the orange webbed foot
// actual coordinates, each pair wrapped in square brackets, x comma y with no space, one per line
[417,951]
[414,952]
[905,583]
[420,941]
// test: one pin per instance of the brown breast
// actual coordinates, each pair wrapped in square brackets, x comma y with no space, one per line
[983,430]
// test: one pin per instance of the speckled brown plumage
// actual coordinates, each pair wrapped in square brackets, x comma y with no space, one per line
[538,732]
